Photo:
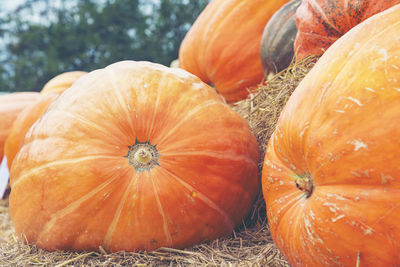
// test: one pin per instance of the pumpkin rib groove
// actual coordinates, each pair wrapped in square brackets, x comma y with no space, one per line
[155,109]
[72,207]
[85,121]
[167,232]
[184,119]
[213,154]
[120,98]
[114,221]
[346,11]
[170,162]
[323,15]
[56,163]
[228,221]
[209,45]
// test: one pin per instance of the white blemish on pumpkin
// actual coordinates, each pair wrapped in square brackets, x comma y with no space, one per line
[386,178]
[355,174]
[370,89]
[281,183]
[397,89]
[331,206]
[145,85]
[293,167]
[335,131]
[313,237]
[395,67]
[355,101]
[367,230]
[306,126]
[338,197]
[312,215]
[357,144]
[337,218]
[357,198]
[339,111]
[242,82]
[323,92]
[384,53]
[197,86]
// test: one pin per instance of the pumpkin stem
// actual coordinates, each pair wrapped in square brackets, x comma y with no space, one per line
[305,183]
[143,156]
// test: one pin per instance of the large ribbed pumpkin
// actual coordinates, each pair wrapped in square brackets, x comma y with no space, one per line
[223,45]
[31,114]
[278,38]
[10,106]
[331,176]
[322,22]
[132,157]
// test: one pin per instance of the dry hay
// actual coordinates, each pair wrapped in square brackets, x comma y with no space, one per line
[262,108]
[251,245]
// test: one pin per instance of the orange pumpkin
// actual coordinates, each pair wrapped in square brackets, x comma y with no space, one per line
[25,119]
[331,174]
[31,114]
[223,45]
[59,83]
[132,157]
[322,22]
[10,106]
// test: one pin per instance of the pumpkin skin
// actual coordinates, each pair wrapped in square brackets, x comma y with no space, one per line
[134,157]
[31,114]
[223,45]
[278,39]
[10,106]
[25,119]
[322,22]
[59,83]
[331,174]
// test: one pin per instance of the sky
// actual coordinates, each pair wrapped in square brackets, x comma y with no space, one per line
[10,4]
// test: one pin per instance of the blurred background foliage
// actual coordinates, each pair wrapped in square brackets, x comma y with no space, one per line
[43,38]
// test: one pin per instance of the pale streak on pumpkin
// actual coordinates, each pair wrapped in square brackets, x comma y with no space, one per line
[212,154]
[187,117]
[83,120]
[33,171]
[120,98]
[346,12]
[72,207]
[114,221]
[155,109]
[161,210]
[204,199]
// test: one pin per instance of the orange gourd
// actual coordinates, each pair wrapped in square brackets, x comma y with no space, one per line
[331,175]
[25,119]
[10,106]
[59,83]
[31,114]
[133,157]
[223,45]
[322,22]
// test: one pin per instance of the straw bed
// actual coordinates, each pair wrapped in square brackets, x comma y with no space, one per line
[251,245]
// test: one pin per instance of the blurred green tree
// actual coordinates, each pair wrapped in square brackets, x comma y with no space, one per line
[43,38]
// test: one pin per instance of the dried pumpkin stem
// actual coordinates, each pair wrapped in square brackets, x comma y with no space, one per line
[305,183]
[143,156]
